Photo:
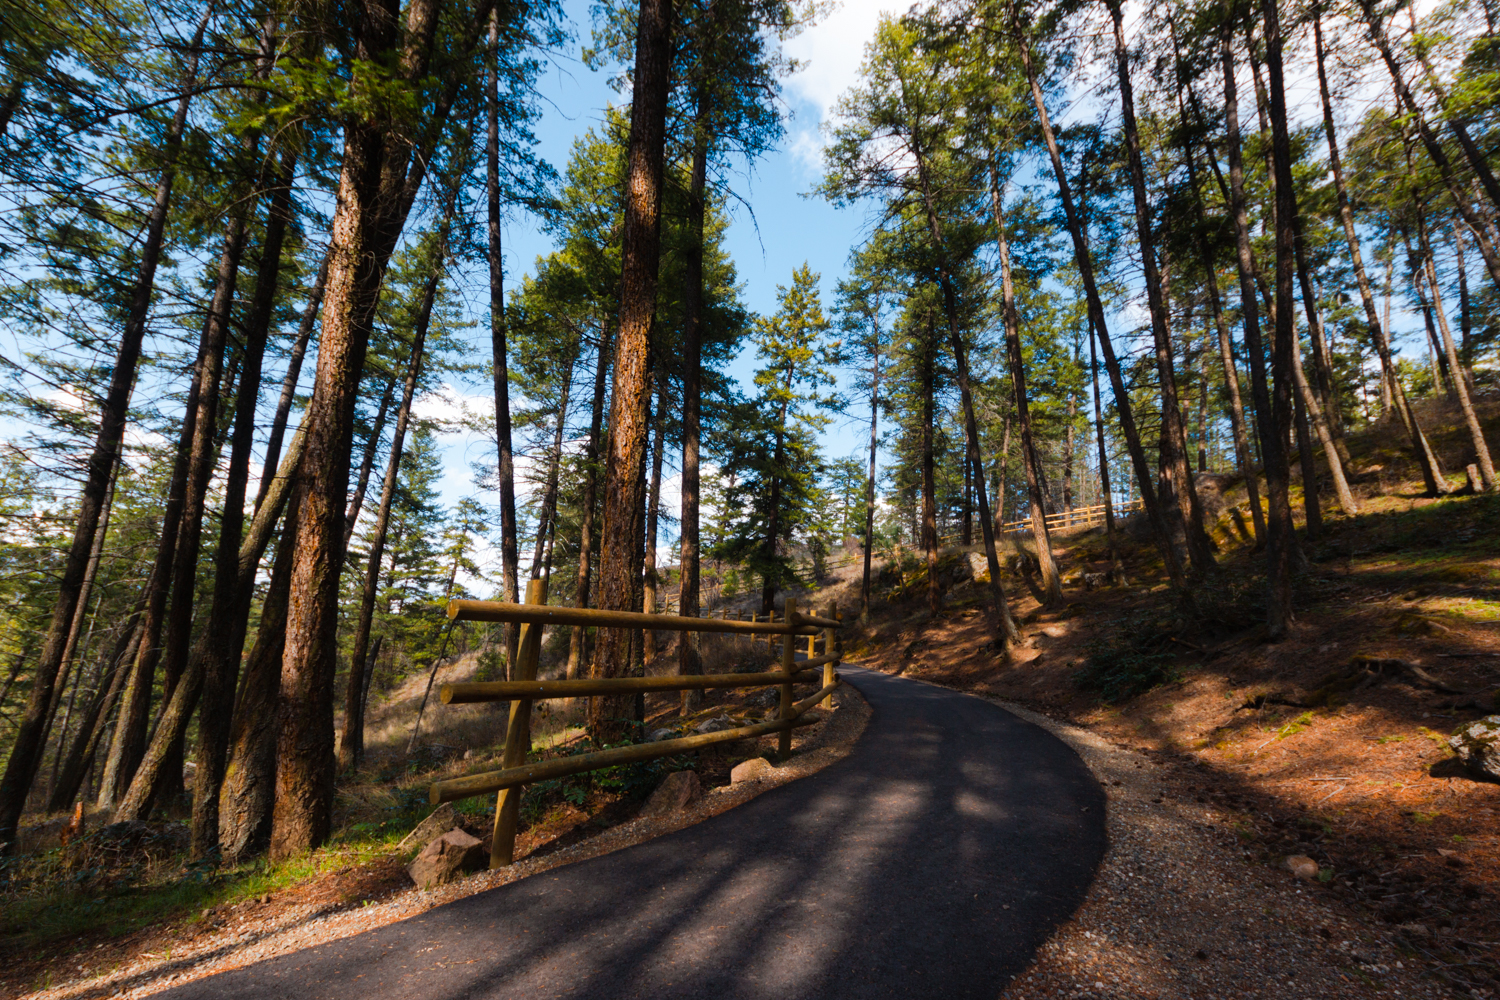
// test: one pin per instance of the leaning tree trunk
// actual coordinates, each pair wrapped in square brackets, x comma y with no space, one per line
[1117,566]
[864,587]
[640,258]
[1425,458]
[367,460]
[26,746]
[1084,260]
[590,500]
[289,382]
[541,558]
[1051,579]
[1450,352]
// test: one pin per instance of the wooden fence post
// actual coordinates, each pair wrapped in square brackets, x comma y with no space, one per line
[830,645]
[517,735]
[788,667]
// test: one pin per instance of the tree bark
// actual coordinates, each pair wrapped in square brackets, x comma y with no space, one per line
[26,748]
[547,528]
[926,376]
[689,660]
[864,586]
[1106,497]
[640,258]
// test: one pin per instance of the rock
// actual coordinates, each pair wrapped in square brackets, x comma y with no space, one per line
[440,819]
[1302,866]
[1478,746]
[753,769]
[715,725]
[765,698]
[979,567]
[1415,930]
[657,735]
[673,795]
[446,858]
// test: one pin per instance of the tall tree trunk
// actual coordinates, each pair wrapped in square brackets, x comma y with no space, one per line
[640,257]
[1282,551]
[590,500]
[1312,512]
[81,754]
[1455,366]
[248,789]
[650,582]
[26,748]
[202,459]
[689,659]
[1318,421]
[1085,263]
[290,380]
[1005,626]
[1391,394]
[381,174]
[352,739]
[926,377]
[1051,579]
[547,529]
[1117,567]
[864,586]
[1174,433]
[505,469]
[1465,310]
[773,517]
[367,459]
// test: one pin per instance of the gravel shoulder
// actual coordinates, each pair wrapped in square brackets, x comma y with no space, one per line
[1178,910]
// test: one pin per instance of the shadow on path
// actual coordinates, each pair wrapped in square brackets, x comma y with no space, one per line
[931,862]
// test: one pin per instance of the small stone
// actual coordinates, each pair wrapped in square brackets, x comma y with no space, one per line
[1478,746]
[715,725]
[753,769]
[446,858]
[673,795]
[657,735]
[1302,866]
[1414,930]
[440,819]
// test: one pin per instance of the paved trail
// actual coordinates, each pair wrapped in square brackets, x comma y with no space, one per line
[930,862]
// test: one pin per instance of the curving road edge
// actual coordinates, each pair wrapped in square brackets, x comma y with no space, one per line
[931,862]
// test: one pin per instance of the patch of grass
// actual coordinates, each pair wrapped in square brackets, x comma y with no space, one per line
[1296,726]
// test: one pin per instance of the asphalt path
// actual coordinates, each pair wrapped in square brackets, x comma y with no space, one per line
[930,862]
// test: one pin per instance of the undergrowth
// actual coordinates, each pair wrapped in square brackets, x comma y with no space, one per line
[1136,658]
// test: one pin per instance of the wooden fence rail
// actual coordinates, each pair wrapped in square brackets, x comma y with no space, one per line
[524,688]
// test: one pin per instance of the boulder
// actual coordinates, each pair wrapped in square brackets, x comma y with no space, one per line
[440,819]
[673,795]
[447,857]
[1478,746]
[753,769]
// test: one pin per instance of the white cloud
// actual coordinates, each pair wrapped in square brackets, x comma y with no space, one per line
[832,51]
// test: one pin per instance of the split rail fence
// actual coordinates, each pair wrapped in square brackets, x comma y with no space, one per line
[1078,517]
[524,688]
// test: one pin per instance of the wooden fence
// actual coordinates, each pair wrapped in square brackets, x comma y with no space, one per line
[1078,517]
[525,688]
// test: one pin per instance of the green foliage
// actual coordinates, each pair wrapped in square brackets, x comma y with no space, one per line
[1131,657]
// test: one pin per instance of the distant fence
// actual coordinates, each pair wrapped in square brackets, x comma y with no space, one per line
[525,689]
[1078,517]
